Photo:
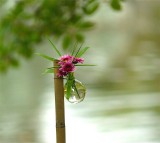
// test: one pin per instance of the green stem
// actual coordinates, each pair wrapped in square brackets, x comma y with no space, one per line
[70,80]
[76,88]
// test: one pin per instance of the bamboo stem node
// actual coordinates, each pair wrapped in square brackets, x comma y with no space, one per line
[60,125]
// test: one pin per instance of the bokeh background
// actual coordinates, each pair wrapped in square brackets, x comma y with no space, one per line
[122,103]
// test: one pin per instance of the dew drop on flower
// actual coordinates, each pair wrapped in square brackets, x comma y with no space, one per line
[77,93]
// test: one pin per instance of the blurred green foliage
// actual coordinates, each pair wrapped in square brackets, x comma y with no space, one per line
[29,21]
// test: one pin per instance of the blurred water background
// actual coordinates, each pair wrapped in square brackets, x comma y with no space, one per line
[122,104]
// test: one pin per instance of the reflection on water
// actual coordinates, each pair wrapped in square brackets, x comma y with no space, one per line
[27,113]
[19,106]
[125,118]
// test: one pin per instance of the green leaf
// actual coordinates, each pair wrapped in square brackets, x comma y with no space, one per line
[14,62]
[45,56]
[54,47]
[69,88]
[70,81]
[48,70]
[79,37]
[86,25]
[82,51]
[90,9]
[115,4]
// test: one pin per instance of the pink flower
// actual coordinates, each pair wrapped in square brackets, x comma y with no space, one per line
[68,67]
[61,73]
[66,58]
[67,64]
[78,60]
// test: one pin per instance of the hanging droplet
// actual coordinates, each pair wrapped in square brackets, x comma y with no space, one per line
[78,92]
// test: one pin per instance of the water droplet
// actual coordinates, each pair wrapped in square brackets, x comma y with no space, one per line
[78,92]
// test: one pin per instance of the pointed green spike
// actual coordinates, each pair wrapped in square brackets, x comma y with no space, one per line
[82,51]
[45,56]
[54,47]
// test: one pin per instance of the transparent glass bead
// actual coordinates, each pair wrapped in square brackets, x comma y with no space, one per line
[76,96]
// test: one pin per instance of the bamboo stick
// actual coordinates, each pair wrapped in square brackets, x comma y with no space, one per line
[59,106]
